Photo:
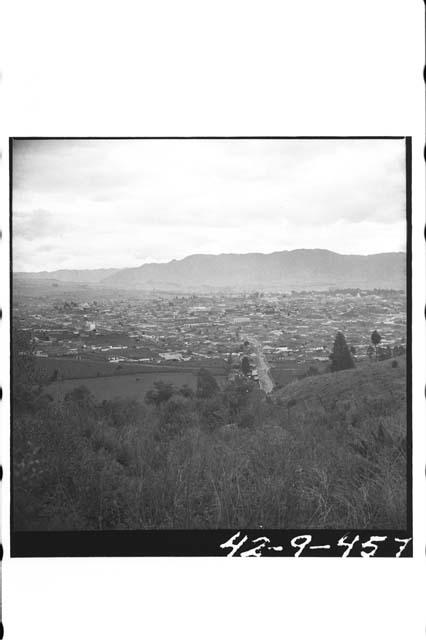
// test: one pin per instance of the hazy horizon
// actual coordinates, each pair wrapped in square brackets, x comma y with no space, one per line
[112,267]
[84,204]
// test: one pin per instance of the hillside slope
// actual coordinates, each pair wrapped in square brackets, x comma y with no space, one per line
[366,398]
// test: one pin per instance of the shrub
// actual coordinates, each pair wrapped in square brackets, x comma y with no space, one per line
[207,386]
[186,391]
[176,416]
[162,392]
[80,396]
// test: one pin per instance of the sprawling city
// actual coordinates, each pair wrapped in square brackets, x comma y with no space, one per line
[86,334]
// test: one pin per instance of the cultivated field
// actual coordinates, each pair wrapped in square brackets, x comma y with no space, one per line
[72,369]
[123,386]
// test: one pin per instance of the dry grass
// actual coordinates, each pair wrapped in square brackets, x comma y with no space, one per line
[326,452]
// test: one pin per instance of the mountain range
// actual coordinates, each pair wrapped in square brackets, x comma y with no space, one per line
[286,270]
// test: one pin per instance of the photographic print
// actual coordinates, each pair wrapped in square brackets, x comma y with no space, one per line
[210,336]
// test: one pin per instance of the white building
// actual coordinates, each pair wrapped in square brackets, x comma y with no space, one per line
[171,355]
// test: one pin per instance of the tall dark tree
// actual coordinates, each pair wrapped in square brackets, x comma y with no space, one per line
[207,386]
[341,357]
[376,338]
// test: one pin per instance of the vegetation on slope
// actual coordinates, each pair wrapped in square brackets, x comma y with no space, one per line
[327,451]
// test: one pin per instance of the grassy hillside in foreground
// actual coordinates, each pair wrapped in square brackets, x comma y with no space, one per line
[325,452]
[373,388]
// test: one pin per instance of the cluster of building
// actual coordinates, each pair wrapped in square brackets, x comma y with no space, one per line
[154,328]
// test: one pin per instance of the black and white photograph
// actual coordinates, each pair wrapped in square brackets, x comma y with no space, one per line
[210,334]
[212,267]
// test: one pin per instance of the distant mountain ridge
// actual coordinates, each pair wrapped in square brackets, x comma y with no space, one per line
[69,275]
[297,269]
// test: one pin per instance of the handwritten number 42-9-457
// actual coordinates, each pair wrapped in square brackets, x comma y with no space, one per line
[303,542]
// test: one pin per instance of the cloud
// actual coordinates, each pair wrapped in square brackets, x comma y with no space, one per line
[33,225]
[116,203]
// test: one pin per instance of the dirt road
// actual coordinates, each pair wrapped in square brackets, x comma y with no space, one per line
[265,380]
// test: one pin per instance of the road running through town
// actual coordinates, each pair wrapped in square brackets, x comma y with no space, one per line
[265,380]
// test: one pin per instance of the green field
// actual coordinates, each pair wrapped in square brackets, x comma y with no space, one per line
[132,386]
[71,368]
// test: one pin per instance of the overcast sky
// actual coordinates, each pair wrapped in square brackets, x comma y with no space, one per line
[119,203]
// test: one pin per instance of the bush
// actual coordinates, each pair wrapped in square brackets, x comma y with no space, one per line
[207,386]
[81,396]
[211,413]
[162,392]
[176,416]
[186,392]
